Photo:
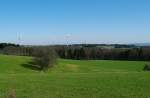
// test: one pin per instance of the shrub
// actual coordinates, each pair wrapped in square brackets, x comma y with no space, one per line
[146,67]
[45,58]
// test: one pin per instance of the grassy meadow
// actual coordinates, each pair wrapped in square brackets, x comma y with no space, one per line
[74,79]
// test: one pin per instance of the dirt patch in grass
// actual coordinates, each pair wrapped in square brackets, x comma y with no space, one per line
[72,67]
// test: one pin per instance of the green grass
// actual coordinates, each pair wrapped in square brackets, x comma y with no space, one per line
[74,79]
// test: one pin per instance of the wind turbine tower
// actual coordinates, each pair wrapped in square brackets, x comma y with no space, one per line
[19,38]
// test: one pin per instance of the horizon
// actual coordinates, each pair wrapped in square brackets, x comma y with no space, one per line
[49,22]
[18,43]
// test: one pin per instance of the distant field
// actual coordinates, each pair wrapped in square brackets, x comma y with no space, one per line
[74,79]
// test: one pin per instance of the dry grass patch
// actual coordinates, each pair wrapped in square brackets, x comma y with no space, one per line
[72,67]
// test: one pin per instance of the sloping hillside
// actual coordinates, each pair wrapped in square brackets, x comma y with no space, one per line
[73,79]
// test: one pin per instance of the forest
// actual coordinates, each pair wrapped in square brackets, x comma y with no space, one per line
[83,51]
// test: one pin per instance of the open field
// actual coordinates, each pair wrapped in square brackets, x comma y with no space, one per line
[74,79]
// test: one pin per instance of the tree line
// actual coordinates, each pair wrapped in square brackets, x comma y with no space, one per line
[83,52]
[96,53]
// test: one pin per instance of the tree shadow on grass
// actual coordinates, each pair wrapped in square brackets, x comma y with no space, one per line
[31,65]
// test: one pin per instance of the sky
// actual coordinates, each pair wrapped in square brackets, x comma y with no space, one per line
[43,22]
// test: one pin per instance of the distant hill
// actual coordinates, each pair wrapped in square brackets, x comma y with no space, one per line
[142,44]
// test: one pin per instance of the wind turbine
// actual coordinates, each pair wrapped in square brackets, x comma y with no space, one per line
[67,38]
[19,38]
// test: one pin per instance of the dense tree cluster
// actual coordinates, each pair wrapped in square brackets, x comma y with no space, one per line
[14,49]
[23,51]
[119,52]
[3,45]
[103,53]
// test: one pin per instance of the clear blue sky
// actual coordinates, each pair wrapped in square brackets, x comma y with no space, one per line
[74,21]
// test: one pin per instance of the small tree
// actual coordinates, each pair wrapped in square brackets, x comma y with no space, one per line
[45,58]
[146,67]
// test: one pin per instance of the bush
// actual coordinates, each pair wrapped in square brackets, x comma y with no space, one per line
[146,67]
[45,58]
